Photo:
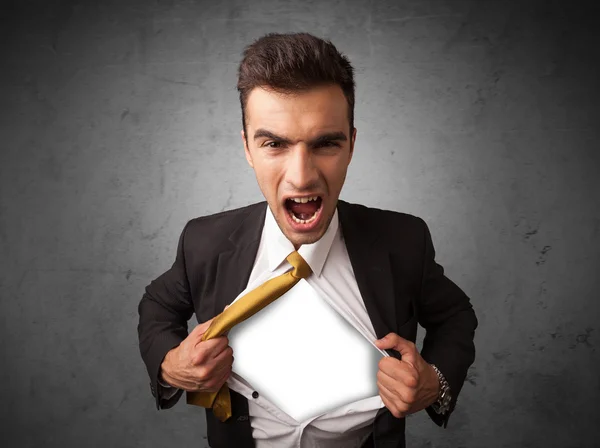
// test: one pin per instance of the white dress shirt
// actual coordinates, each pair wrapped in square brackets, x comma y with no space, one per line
[333,278]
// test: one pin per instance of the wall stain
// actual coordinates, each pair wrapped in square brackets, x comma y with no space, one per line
[556,334]
[534,389]
[60,22]
[162,179]
[542,292]
[501,355]
[154,235]
[177,82]
[530,233]
[228,201]
[583,338]
[472,376]
[542,258]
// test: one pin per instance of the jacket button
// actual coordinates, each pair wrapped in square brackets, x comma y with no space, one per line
[254,394]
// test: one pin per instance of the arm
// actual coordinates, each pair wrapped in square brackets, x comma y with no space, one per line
[450,322]
[164,311]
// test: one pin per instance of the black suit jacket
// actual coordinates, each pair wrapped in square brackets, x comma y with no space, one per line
[393,259]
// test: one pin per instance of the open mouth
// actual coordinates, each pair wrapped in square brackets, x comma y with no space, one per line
[304,210]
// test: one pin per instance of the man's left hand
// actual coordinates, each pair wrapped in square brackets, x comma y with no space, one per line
[409,385]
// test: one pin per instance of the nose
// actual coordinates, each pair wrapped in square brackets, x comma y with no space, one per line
[301,172]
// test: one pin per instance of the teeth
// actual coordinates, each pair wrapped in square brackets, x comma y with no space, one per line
[303,221]
[305,200]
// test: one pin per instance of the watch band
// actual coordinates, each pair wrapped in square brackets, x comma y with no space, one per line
[442,405]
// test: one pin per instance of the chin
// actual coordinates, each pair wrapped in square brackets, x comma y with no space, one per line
[299,240]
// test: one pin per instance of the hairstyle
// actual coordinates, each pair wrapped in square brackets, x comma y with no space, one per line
[289,63]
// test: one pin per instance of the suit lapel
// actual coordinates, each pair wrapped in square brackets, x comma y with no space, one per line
[235,264]
[370,260]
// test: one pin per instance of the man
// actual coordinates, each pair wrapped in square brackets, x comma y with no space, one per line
[297,98]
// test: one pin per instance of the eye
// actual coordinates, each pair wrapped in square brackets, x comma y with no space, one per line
[329,144]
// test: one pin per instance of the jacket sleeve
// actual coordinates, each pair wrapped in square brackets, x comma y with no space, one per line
[164,310]
[449,320]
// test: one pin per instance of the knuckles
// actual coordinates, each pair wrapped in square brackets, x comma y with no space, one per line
[410,398]
[198,358]
[203,373]
[396,412]
[411,382]
[386,362]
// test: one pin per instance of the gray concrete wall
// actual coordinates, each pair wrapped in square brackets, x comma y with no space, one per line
[119,121]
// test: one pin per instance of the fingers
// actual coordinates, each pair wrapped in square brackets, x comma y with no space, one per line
[226,374]
[212,375]
[405,390]
[223,371]
[399,400]
[397,411]
[214,384]
[395,368]
[406,348]
[204,351]
[225,356]
[199,330]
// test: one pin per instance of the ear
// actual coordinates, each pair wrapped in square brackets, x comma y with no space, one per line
[246,150]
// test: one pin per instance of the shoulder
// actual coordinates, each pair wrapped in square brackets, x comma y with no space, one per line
[403,234]
[388,223]
[214,229]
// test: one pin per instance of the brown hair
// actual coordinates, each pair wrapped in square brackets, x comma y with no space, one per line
[289,63]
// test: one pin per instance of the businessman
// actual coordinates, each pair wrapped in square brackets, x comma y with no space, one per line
[297,99]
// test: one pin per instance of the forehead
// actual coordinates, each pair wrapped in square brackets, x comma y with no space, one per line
[323,107]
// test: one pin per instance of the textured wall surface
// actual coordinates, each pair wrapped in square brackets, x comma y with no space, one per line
[119,121]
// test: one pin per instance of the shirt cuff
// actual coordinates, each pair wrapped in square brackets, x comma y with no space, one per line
[167,391]
[163,384]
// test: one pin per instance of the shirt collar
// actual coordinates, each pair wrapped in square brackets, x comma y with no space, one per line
[279,247]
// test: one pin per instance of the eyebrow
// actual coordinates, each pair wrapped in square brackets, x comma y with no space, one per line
[326,137]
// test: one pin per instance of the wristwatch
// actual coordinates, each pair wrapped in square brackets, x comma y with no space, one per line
[442,405]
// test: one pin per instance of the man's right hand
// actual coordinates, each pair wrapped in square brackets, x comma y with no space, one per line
[198,366]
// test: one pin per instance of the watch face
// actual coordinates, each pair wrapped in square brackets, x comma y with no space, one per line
[446,399]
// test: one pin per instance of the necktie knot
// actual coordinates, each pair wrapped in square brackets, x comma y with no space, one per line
[301,267]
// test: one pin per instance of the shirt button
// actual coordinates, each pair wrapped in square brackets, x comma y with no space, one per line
[254,394]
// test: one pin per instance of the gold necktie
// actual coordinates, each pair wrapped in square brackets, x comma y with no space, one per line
[239,311]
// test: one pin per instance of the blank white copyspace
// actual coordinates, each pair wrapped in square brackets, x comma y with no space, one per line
[304,357]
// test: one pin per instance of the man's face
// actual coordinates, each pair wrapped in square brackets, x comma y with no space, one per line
[300,148]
